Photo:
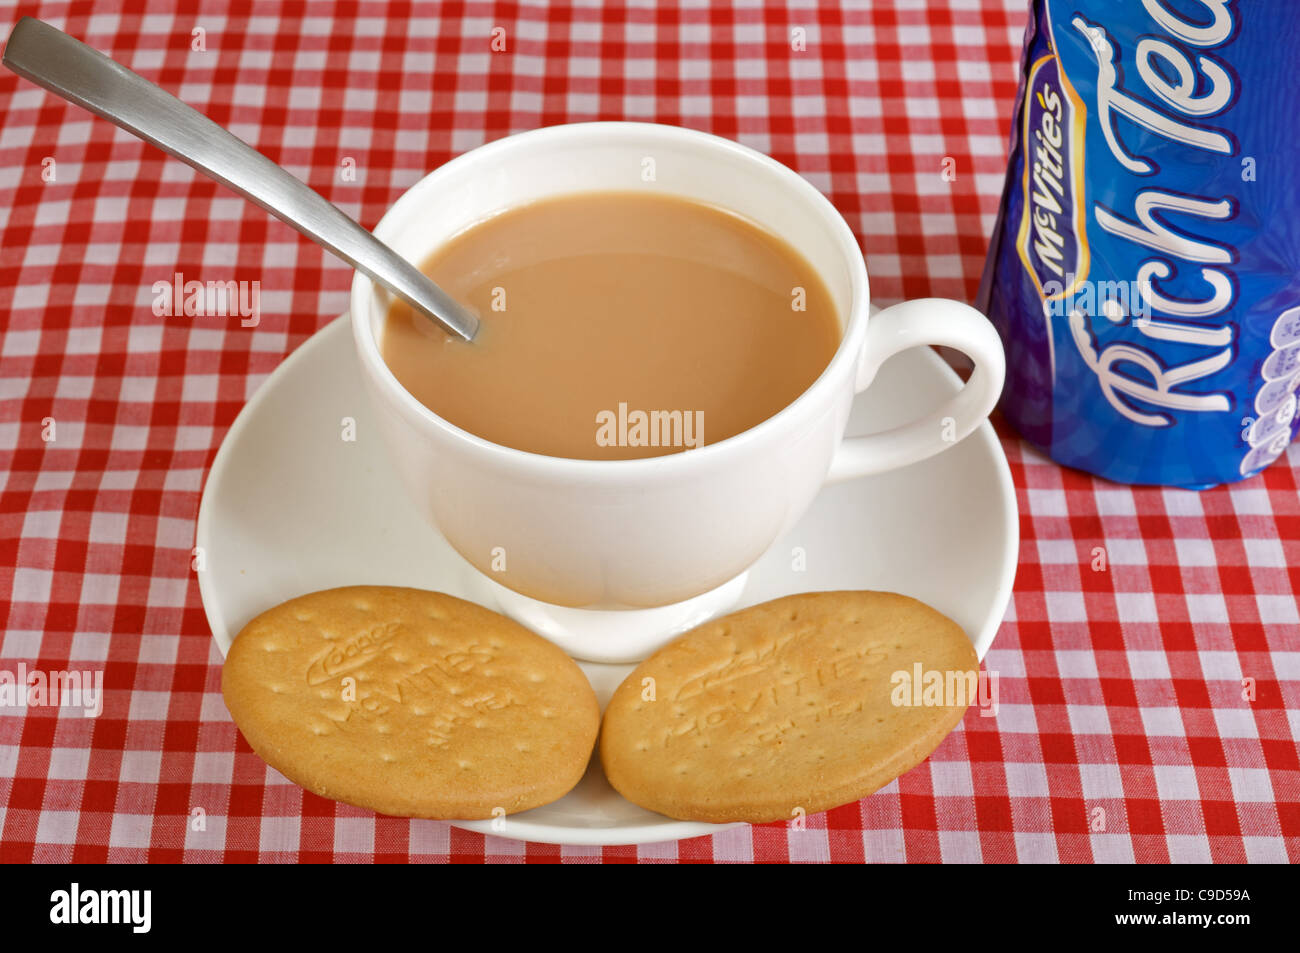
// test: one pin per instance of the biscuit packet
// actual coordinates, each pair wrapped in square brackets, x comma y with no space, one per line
[1144,272]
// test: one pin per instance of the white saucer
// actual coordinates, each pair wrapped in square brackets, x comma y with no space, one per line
[290,507]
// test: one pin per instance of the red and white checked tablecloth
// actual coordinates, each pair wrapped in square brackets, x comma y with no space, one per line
[1120,690]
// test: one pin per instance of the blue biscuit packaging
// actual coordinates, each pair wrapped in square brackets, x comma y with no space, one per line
[1144,271]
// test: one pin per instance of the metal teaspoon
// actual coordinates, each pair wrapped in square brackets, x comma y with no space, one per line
[81,75]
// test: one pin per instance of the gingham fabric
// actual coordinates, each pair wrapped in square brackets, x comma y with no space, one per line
[1149,711]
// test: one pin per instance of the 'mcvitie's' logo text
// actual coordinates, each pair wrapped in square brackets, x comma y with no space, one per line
[1052,243]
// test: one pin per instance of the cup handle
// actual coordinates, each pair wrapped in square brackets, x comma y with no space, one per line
[912,324]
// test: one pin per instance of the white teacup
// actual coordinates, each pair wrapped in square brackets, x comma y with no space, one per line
[676,531]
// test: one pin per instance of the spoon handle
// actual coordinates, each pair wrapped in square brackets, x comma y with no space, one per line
[79,74]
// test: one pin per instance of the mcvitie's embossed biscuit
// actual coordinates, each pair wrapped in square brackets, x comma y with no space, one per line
[411,703]
[787,707]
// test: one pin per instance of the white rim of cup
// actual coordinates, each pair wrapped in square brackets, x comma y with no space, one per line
[849,350]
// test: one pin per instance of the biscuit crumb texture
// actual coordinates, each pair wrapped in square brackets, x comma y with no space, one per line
[411,703]
[784,709]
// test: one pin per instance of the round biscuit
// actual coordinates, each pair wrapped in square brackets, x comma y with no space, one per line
[787,708]
[411,703]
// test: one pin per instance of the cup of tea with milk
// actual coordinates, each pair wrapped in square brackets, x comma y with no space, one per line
[672,331]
